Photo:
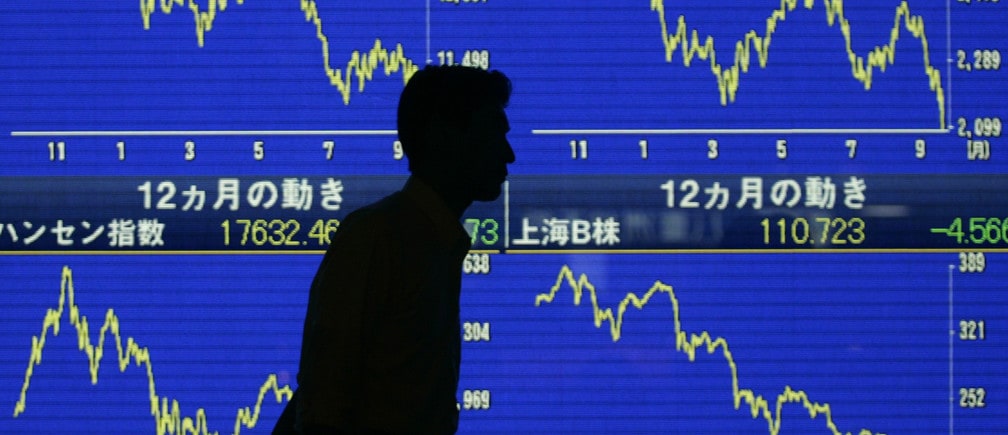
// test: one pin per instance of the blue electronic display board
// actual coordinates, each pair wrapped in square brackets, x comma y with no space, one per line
[734,217]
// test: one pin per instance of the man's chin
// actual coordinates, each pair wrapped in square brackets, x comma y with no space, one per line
[488,193]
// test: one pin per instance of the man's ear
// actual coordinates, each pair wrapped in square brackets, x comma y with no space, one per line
[445,144]
[437,130]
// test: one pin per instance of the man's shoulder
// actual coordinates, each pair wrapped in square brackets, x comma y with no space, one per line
[372,221]
[377,212]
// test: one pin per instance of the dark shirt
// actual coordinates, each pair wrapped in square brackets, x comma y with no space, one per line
[381,343]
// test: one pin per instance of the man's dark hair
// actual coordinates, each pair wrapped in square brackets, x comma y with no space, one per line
[439,97]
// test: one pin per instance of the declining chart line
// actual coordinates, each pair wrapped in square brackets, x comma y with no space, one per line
[688,344]
[167,418]
[862,67]
[361,65]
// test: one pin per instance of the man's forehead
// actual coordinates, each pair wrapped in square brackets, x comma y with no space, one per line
[490,109]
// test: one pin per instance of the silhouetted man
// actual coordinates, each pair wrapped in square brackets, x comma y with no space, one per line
[381,344]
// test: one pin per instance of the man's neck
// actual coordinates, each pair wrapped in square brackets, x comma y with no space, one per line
[449,191]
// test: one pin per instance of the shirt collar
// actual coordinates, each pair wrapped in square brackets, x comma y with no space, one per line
[447,227]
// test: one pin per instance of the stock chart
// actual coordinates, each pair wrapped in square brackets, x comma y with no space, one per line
[766,217]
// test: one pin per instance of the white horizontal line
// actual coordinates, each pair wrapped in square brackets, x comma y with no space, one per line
[78,133]
[717,131]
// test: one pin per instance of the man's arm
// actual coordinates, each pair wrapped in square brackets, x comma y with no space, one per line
[333,345]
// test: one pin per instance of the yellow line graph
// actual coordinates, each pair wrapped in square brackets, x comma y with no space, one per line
[862,67]
[360,65]
[167,417]
[688,344]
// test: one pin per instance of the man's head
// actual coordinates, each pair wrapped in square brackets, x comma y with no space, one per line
[453,129]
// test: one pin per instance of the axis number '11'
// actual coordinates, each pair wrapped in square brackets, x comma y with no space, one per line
[57,151]
[579,145]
